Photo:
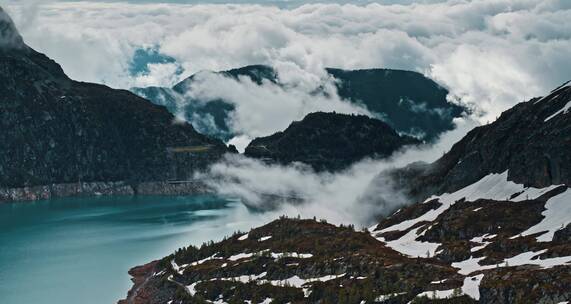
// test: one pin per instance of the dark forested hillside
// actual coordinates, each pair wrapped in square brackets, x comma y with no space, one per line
[330,141]
[56,130]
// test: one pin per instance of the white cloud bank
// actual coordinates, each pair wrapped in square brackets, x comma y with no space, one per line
[492,53]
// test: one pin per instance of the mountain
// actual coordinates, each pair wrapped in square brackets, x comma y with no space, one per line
[411,103]
[203,114]
[408,101]
[531,142]
[484,231]
[55,130]
[330,141]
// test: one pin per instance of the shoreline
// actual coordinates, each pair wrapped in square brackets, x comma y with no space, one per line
[139,277]
[46,192]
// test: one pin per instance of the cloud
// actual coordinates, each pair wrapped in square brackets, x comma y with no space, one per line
[492,54]
[158,74]
[264,109]
[349,196]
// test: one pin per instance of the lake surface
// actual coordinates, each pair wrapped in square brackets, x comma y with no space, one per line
[78,250]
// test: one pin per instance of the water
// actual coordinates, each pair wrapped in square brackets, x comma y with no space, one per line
[78,250]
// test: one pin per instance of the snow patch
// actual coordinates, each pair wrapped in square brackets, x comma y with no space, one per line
[383,298]
[242,278]
[291,255]
[408,245]
[176,268]
[491,187]
[436,294]
[527,258]
[192,288]
[482,240]
[556,216]
[471,265]
[212,257]
[471,286]
[563,110]
[298,282]
[240,256]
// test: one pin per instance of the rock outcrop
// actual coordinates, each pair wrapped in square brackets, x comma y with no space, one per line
[330,141]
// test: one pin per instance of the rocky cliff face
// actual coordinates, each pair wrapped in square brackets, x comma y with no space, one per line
[55,130]
[330,141]
[410,102]
[497,237]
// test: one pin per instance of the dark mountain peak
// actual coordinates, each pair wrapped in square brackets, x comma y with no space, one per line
[333,120]
[376,71]
[21,66]
[329,141]
[257,73]
[9,36]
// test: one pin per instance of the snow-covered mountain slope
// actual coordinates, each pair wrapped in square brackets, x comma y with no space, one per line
[531,141]
[487,226]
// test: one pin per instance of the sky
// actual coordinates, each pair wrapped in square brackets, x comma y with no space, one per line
[283,3]
[490,54]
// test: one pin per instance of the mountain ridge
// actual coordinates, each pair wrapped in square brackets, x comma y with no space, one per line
[531,137]
[58,131]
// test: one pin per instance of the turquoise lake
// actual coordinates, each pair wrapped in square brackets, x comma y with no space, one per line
[78,250]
